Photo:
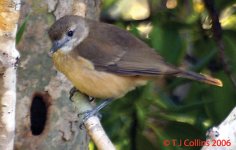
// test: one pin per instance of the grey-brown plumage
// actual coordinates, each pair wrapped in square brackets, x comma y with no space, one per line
[120,52]
[111,50]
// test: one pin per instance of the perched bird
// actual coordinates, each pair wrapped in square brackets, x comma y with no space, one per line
[104,61]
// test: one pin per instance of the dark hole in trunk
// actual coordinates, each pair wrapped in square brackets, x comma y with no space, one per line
[38,114]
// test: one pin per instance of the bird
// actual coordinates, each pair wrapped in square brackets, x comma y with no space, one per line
[104,61]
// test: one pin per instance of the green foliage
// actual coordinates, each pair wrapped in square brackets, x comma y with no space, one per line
[146,117]
[166,39]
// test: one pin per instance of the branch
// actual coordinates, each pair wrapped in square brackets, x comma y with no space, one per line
[9,14]
[92,124]
[217,33]
[224,136]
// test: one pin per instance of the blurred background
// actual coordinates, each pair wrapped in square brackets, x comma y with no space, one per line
[172,108]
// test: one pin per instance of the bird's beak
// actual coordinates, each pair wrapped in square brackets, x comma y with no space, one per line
[55,46]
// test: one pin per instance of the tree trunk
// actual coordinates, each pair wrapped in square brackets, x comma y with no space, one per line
[46,118]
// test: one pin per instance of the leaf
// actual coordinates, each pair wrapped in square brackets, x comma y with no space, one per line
[21,29]
[167,41]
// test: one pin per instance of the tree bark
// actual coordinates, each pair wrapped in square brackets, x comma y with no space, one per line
[46,118]
[9,14]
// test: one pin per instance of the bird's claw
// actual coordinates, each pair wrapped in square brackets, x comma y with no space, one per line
[93,112]
[91,98]
[72,92]
[87,115]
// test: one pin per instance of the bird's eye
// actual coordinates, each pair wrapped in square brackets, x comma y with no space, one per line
[70,33]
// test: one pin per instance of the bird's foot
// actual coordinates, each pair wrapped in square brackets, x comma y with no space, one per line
[91,99]
[72,92]
[94,112]
[87,115]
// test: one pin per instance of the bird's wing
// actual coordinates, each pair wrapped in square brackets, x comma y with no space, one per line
[114,50]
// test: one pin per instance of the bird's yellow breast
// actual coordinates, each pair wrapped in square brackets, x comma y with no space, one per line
[84,77]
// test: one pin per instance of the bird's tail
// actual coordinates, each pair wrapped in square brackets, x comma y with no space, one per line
[200,77]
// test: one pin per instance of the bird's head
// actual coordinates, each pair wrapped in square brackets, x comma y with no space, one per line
[67,32]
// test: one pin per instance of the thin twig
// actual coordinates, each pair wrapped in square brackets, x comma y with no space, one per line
[217,33]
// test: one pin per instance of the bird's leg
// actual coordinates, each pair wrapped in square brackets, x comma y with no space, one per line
[94,111]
